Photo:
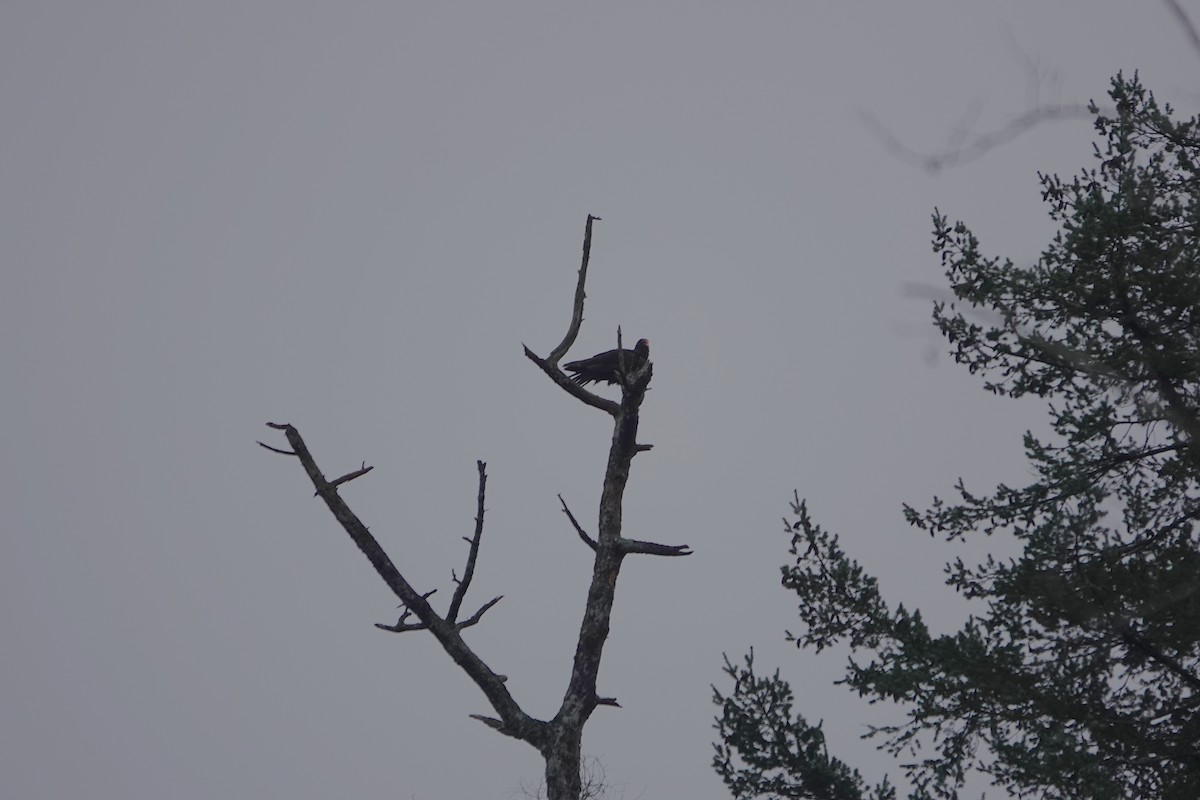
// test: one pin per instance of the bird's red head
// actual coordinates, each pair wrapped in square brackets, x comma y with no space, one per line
[642,348]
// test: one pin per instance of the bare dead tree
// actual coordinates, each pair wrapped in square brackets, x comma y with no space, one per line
[559,739]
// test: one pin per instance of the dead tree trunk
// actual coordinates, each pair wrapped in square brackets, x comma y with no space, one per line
[559,740]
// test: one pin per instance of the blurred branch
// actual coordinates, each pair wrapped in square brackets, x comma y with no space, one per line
[974,148]
[1182,18]
[963,145]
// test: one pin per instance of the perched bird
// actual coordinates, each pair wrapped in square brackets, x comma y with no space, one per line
[605,367]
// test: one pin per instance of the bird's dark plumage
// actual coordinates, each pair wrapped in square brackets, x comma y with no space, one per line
[605,367]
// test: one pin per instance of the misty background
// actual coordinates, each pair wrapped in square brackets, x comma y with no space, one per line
[349,217]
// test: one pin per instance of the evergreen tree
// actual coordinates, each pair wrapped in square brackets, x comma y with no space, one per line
[1082,678]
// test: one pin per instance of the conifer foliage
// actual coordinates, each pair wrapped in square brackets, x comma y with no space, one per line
[1082,677]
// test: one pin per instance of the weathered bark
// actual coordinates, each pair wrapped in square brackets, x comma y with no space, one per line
[562,752]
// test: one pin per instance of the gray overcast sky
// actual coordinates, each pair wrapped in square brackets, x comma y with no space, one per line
[349,216]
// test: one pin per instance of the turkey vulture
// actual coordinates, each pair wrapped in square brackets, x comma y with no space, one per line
[605,367]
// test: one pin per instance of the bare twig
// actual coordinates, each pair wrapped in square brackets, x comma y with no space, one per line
[473,551]
[352,475]
[577,310]
[401,624]
[277,450]
[589,541]
[474,618]
[621,359]
[491,722]
[654,548]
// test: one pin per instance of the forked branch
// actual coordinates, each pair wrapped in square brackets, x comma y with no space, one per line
[447,630]
[549,365]
[473,551]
